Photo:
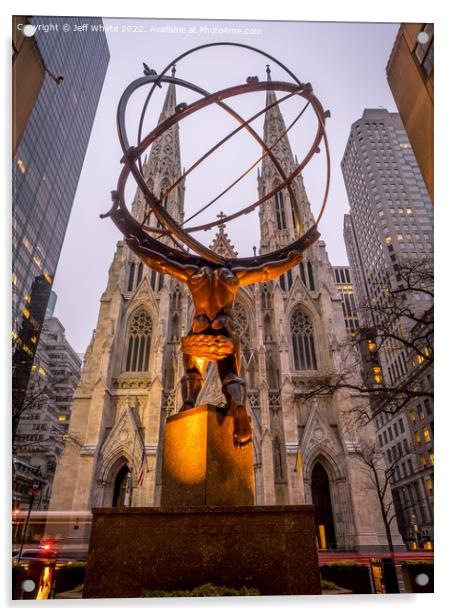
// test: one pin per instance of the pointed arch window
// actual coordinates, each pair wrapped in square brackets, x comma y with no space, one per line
[153,278]
[131,276]
[302,273]
[156,280]
[303,341]
[311,276]
[266,301]
[163,196]
[139,342]
[286,280]
[277,460]
[279,210]
[139,273]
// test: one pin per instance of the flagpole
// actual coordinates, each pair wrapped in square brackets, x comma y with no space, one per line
[133,457]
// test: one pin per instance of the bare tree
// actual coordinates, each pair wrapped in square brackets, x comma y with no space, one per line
[401,324]
[381,474]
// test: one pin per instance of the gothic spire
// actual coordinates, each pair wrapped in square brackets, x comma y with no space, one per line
[277,219]
[274,127]
[169,104]
[163,166]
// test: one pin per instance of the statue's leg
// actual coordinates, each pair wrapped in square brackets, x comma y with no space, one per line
[234,389]
[192,382]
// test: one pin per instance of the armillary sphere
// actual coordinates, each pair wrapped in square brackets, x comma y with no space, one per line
[184,247]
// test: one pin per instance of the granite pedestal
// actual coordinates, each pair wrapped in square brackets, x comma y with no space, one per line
[207,529]
[134,549]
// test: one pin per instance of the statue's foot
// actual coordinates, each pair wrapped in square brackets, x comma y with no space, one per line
[242,427]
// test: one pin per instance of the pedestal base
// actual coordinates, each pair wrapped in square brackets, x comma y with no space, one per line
[272,549]
[201,464]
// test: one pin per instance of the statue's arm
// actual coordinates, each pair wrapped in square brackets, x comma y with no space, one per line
[160,262]
[274,269]
[269,271]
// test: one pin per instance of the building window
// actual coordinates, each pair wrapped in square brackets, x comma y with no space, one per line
[426,433]
[279,210]
[156,280]
[131,276]
[310,276]
[302,273]
[303,341]
[277,460]
[139,342]
[139,273]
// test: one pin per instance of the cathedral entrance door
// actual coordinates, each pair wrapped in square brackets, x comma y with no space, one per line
[321,498]
[120,487]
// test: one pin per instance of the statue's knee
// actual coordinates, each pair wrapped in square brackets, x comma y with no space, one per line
[233,381]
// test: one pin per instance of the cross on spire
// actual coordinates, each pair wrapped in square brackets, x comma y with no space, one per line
[221,215]
[269,74]
[173,70]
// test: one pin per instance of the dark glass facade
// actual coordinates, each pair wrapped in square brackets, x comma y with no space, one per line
[46,170]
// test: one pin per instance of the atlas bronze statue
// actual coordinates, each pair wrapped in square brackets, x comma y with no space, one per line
[213,280]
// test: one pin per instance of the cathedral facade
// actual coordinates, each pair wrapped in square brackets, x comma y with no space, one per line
[291,331]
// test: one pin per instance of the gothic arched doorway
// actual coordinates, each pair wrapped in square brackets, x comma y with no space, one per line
[120,487]
[321,498]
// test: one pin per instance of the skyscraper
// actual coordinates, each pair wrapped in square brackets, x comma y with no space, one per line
[44,421]
[391,216]
[290,331]
[388,234]
[46,169]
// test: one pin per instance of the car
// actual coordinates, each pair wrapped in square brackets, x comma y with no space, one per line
[41,553]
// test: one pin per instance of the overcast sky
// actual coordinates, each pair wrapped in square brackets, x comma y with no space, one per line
[345,64]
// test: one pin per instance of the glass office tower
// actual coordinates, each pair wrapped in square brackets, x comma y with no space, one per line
[46,170]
